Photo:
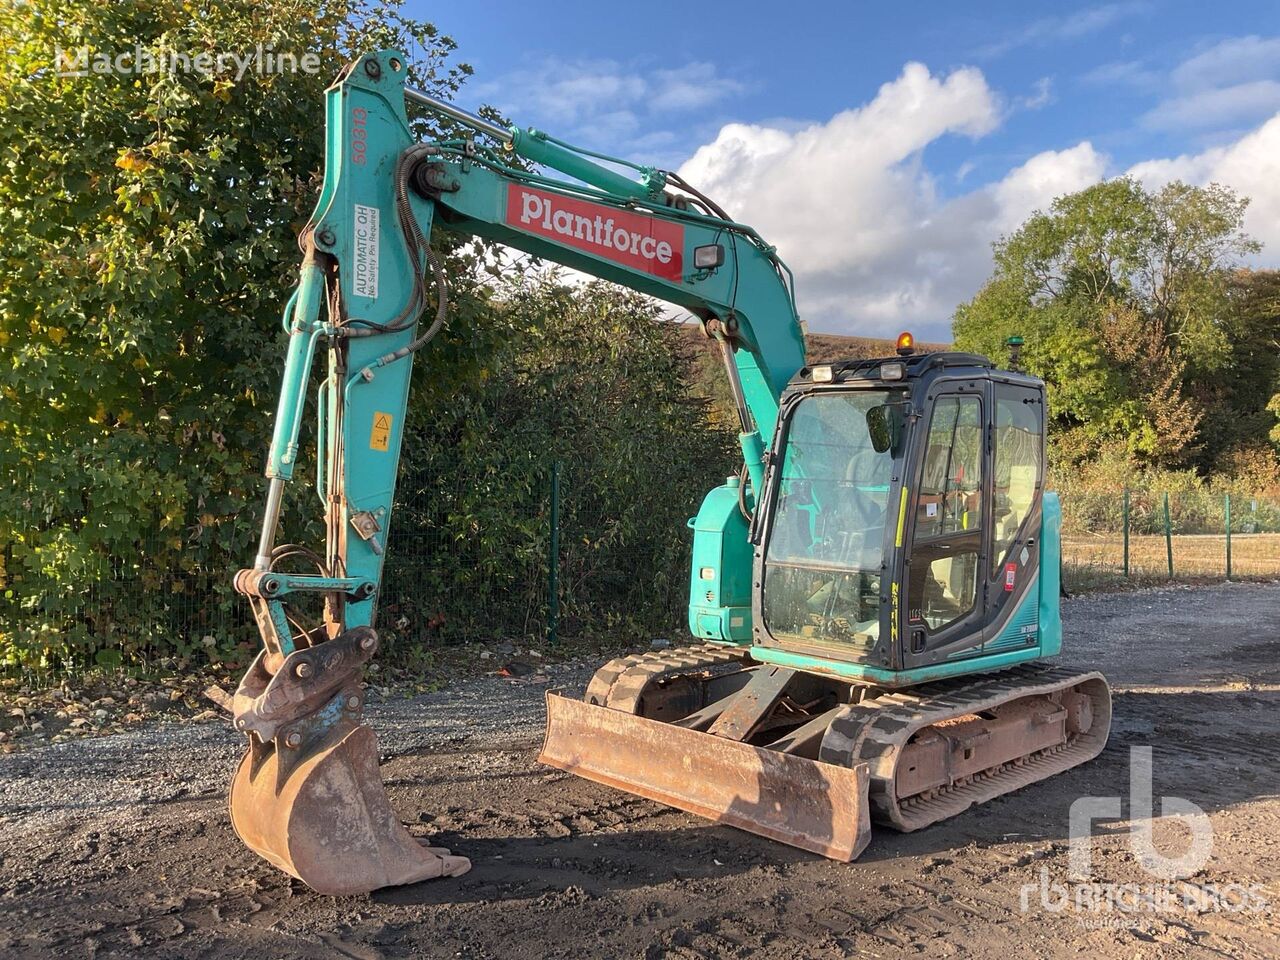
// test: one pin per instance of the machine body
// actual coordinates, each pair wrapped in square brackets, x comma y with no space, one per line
[888,530]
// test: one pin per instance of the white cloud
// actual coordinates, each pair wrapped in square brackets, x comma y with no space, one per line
[1216,108]
[1250,166]
[1128,73]
[1230,62]
[1040,180]
[858,170]
[603,103]
[690,87]
[1233,82]
[856,215]
[1041,95]
[853,209]
[1071,26]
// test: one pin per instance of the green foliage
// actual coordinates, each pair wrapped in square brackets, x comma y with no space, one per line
[1132,314]
[1092,501]
[586,376]
[148,235]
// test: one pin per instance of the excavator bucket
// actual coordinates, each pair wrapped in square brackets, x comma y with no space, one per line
[308,795]
[327,821]
[815,806]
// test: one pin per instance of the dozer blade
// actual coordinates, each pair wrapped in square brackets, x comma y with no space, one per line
[324,816]
[816,806]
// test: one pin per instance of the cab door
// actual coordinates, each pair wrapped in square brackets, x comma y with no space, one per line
[1017,489]
[946,556]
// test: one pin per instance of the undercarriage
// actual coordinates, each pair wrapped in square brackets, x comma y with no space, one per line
[779,752]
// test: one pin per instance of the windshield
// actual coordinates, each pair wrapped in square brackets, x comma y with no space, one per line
[826,543]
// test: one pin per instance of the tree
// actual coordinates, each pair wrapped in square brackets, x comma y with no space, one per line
[591,377]
[149,234]
[1243,400]
[1122,296]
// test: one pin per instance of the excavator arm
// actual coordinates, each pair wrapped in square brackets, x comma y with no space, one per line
[307,795]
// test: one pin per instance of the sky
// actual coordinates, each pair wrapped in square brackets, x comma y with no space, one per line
[883,147]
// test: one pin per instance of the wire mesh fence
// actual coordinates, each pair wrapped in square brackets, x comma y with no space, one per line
[522,551]
[1144,534]
[533,551]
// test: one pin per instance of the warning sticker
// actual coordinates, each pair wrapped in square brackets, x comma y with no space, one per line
[366,252]
[1010,576]
[380,436]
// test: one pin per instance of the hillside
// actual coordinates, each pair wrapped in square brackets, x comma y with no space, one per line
[707,373]
[824,347]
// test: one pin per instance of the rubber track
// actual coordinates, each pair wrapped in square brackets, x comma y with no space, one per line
[620,683]
[875,731]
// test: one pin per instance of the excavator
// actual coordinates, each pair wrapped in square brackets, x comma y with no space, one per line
[871,596]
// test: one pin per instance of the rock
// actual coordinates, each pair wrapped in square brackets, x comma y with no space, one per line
[660,643]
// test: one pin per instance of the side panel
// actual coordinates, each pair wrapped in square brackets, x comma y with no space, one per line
[1051,577]
[720,578]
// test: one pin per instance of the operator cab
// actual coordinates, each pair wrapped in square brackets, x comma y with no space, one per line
[901,512]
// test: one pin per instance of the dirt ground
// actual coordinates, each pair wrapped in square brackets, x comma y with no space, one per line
[120,845]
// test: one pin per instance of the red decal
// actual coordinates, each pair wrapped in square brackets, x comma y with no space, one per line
[359,135]
[642,243]
[1010,575]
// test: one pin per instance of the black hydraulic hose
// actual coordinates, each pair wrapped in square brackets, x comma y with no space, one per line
[682,184]
[442,307]
[413,238]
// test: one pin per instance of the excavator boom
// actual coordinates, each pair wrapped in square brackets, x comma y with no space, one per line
[307,796]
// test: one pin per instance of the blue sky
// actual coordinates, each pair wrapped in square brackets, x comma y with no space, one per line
[884,146]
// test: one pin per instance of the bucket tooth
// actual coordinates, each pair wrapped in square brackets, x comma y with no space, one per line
[816,806]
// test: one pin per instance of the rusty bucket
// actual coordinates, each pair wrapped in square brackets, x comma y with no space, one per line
[308,795]
[327,821]
[816,806]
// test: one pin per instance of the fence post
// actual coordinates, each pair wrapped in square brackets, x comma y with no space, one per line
[553,557]
[1126,532]
[1168,535]
[1227,512]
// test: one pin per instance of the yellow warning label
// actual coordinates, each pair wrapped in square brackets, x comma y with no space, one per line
[380,436]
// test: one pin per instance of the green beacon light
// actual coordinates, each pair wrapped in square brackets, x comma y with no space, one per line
[1015,352]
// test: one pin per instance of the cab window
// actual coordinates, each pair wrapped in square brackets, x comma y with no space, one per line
[1019,445]
[949,512]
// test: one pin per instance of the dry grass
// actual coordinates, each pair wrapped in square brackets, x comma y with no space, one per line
[1094,561]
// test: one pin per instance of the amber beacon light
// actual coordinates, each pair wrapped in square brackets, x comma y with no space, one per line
[906,344]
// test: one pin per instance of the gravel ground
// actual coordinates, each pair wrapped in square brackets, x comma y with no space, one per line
[120,845]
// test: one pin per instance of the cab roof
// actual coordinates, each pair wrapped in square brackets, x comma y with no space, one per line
[869,368]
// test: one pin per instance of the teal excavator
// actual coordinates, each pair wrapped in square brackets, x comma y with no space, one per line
[869,598]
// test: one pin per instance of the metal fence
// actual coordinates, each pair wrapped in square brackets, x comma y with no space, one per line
[1144,534]
[524,552]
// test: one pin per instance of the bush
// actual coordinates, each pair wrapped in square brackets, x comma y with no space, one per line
[588,377]
[149,235]
[1093,497]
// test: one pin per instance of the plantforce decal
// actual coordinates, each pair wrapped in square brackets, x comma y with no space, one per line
[641,243]
[366,252]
